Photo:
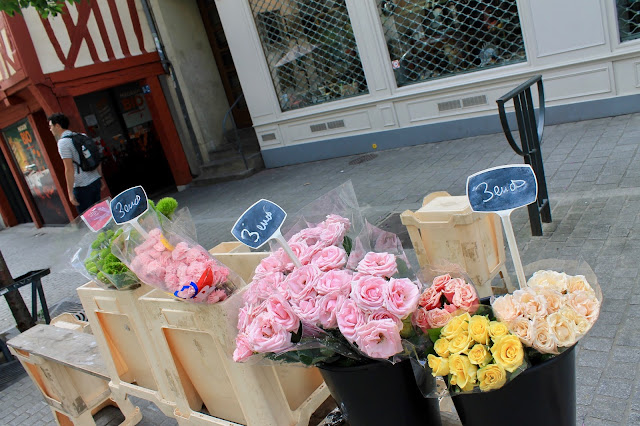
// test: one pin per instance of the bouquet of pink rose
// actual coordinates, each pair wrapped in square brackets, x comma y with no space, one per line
[554,310]
[442,300]
[164,257]
[348,302]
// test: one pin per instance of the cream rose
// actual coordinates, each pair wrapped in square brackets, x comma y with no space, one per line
[554,300]
[585,304]
[543,340]
[579,283]
[563,329]
[523,328]
[549,279]
[505,308]
[581,324]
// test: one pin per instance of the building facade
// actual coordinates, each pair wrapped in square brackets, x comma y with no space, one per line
[99,64]
[340,77]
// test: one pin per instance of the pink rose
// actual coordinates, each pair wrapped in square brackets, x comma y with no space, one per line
[261,288]
[267,335]
[334,218]
[282,312]
[268,265]
[466,298]
[333,234]
[441,281]
[420,319]
[307,308]
[430,298]
[248,313]
[451,286]
[308,236]
[243,348]
[338,281]
[216,296]
[380,315]
[379,338]
[302,281]
[330,258]
[285,260]
[328,307]
[369,292]
[437,318]
[378,264]
[349,318]
[449,308]
[401,297]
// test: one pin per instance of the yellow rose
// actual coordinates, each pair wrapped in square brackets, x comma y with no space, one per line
[441,346]
[460,343]
[507,352]
[463,373]
[439,366]
[497,329]
[455,325]
[479,355]
[479,329]
[492,377]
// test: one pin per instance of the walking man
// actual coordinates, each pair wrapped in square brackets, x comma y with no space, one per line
[83,186]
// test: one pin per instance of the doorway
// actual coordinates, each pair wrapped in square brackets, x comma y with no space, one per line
[224,61]
[120,121]
[11,191]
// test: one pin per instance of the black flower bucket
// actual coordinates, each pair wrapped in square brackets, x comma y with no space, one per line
[380,394]
[541,395]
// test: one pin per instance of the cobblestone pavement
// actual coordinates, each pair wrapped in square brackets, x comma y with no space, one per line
[593,173]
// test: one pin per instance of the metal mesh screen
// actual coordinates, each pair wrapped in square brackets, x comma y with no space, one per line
[310,50]
[435,39]
[628,19]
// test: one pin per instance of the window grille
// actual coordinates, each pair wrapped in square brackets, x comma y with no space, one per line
[434,39]
[628,19]
[310,49]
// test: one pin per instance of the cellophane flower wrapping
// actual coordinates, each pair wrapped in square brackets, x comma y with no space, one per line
[558,306]
[92,256]
[347,304]
[471,351]
[163,256]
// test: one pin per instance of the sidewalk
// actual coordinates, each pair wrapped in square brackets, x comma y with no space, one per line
[593,173]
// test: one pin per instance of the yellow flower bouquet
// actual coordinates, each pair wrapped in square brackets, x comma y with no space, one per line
[476,353]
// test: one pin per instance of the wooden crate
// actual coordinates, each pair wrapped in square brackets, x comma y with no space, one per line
[446,228]
[67,368]
[127,349]
[196,339]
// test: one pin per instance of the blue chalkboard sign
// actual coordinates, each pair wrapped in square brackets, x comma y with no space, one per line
[129,204]
[502,188]
[259,223]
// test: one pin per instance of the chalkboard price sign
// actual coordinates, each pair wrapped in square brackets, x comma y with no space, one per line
[502,188]
[129,204]
[259,223]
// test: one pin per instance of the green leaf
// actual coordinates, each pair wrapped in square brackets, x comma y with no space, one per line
[407,328]
[347,243]
[403,269]
[434,334]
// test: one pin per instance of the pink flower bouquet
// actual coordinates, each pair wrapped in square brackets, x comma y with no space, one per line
[553,311]
[445,298]
[164,258]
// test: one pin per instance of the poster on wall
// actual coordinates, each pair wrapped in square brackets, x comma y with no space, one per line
[29,159]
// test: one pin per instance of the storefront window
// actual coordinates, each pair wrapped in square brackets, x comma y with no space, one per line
[435,39]
[628,19]
[29,158]
[311,51]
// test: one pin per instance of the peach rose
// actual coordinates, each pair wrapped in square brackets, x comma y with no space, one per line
[451,286]
[465,298]
[441,281]
[437,318]
[430,298]
[506,308]
[563,329]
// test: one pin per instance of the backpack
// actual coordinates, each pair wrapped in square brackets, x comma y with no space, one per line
[89,152]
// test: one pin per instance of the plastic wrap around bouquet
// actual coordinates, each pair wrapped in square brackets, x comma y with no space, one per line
[347,304]
[558,306]
[163,256]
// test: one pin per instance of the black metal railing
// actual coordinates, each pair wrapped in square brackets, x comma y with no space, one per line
[237,143]
[530,139]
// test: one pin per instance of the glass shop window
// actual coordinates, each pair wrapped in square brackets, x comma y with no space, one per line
[310,49]
[628,19]
[435,39]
